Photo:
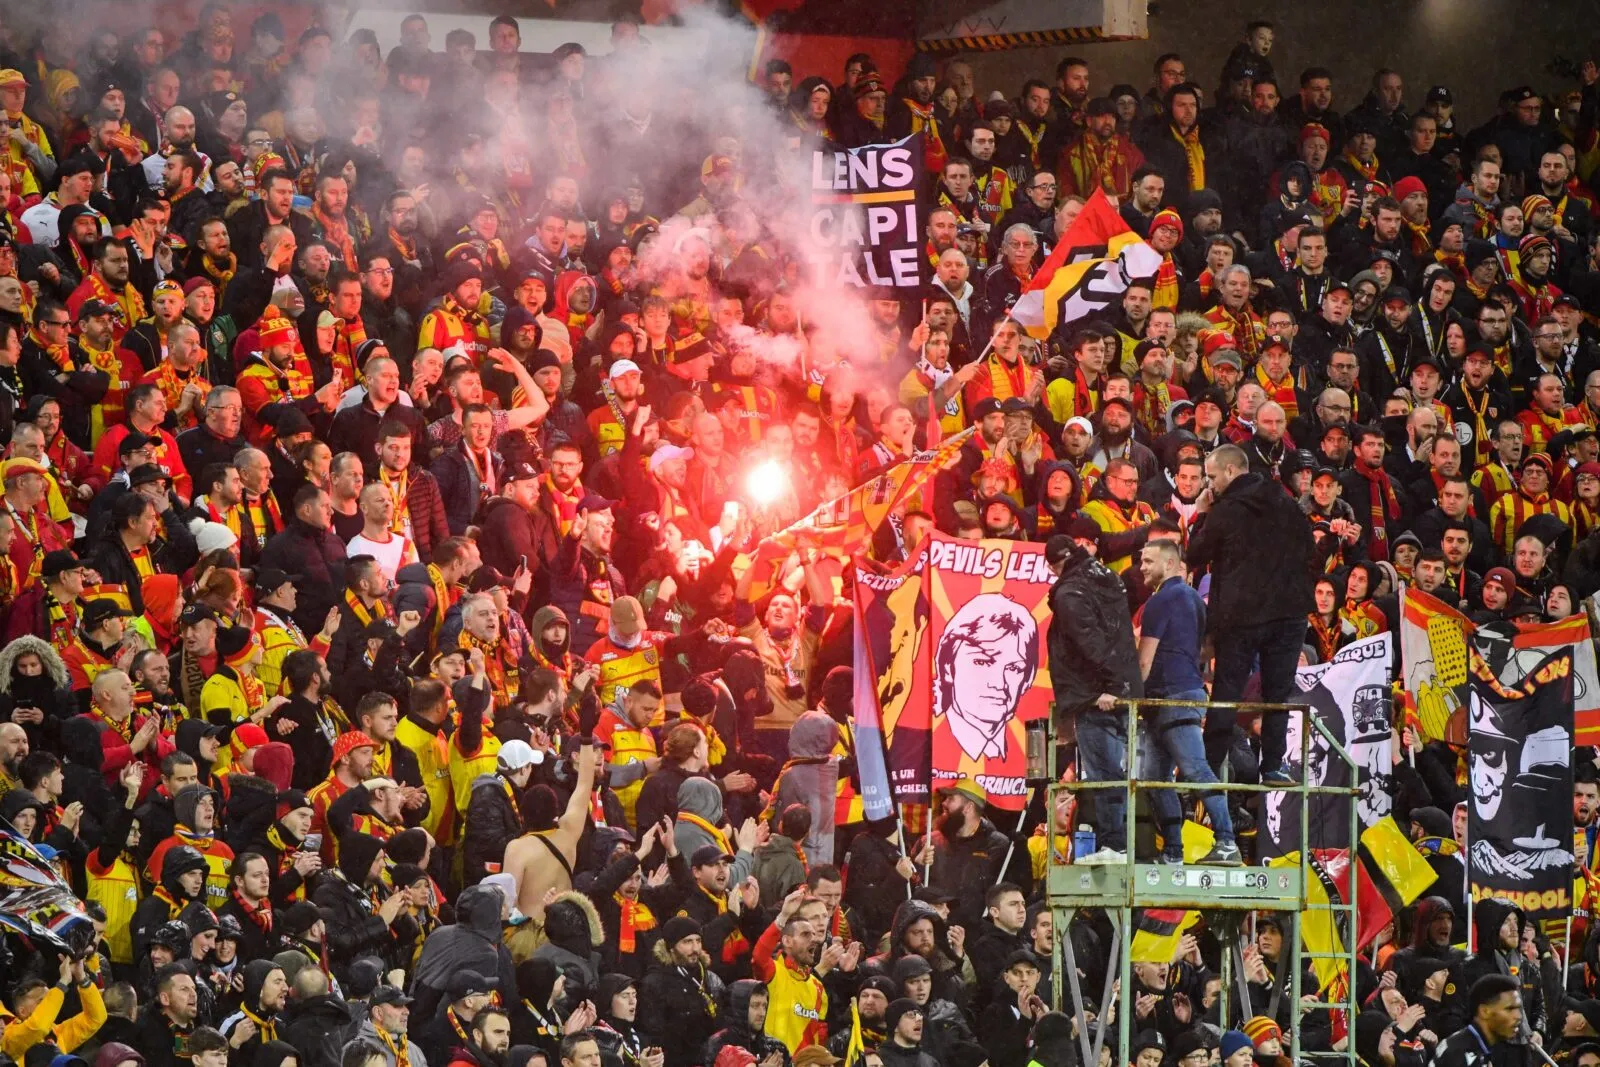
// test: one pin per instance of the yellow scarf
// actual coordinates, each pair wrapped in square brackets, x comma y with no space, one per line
[718,838]
[1195,155]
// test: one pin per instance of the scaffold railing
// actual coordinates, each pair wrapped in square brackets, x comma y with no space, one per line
[1226,895]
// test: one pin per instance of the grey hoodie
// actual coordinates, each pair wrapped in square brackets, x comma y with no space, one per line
[702,797]
[813,783]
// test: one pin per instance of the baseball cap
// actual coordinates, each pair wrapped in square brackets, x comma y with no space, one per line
[966,787]
[271,579]
[667,453]
[94,308]
[515,755]
[391,995]
[133,440]
[520,470]
[17,466]
[1081,423]
[621,367]
[627,615]
[11,78]
[147,474]
[56,563]
[1440,94]
[706,855]
[984,408]
[1015,405]
[98,611]
[595,502]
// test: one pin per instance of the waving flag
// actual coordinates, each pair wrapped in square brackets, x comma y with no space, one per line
[845,525]
[1087,270]
[1441,650]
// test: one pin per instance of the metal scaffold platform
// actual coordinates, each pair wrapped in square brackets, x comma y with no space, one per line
[1225,897]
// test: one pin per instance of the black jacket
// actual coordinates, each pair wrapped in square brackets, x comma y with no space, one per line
[965,867]
[1258,545]
[309,1024]
[318,557]
[173,554]
[460,488]
[680,1005]
[491,824]
[1091,636]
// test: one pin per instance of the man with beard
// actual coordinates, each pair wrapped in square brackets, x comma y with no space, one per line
[1148,189]
[1176,146]
[1101,158]
[912,111]
[678,995]
[179,176]
[247,229]
[210,260]
[278,375]
[170,1020]
[1571,212]
[797,1000]
[265,993]
[488,1039]
[1114,503]
[967,853]
[1388,352]
[1477,199]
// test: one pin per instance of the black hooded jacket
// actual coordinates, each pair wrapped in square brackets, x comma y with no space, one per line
[153,911]
[256,973]
[354,926]
[472,943]
[738,1032]
[1488,916]
[1091,636]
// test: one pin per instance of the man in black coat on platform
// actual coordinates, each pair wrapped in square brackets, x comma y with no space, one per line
[1259,547]
[1094,663]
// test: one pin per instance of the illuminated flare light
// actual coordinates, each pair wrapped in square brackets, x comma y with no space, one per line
[766,483]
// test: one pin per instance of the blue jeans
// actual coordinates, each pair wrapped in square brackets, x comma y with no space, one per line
[1172,740]
[1275,646]
[1103,757]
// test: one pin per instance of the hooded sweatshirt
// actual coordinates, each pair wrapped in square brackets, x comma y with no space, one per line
[472,943]
[700,821]
[813,777]
[256,973]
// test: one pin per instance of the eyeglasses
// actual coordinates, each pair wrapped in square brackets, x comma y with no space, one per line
[55,322]
[259,140]
[382,272]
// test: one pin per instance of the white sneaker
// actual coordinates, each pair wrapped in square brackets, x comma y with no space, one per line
[1105,857]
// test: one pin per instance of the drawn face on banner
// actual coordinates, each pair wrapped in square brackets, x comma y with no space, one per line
[1371,748]
[985,662]
[1490,763]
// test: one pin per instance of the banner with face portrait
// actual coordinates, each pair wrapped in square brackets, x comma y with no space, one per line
[986,660]
[1519,795]
[1350,697]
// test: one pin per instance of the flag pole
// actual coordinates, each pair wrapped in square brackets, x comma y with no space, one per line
[900,836]
[1011,845]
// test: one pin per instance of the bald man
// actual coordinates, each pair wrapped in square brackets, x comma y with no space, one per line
[13,749]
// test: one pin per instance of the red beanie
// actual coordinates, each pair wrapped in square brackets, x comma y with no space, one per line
[1408,185]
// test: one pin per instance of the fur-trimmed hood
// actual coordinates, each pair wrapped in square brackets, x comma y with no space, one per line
[571,919]
[47,655]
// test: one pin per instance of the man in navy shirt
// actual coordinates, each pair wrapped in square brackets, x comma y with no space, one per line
[1172,628]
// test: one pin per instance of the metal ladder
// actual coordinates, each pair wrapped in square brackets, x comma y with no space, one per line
[1228,894]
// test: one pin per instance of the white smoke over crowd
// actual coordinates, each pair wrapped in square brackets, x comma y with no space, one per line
[714,104]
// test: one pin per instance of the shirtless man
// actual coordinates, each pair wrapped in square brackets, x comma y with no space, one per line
[530,862]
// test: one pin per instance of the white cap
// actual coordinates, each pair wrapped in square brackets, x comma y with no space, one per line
[375,784]
[515,755]
[668,452]
[1082,423]
[621,367]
